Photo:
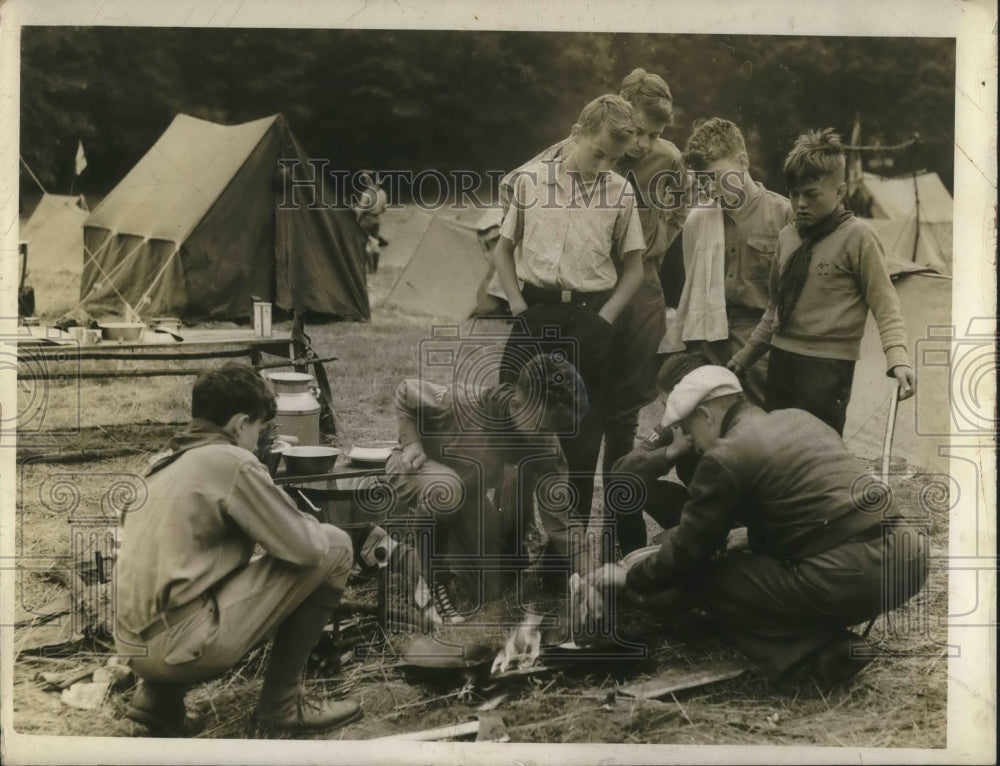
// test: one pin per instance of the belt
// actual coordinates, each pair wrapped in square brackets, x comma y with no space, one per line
[551,296]
[173,617]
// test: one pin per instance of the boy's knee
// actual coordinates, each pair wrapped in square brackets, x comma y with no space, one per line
[339,550]
[442,494]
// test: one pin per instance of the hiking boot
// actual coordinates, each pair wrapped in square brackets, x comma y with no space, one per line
[834,663]
[826,667]
[160,708]
[443,603]
[307,714]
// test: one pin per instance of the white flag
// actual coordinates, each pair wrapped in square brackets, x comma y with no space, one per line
[81,158]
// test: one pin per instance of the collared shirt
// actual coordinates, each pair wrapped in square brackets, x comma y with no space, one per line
[658,179]
[751,234]
[571,236]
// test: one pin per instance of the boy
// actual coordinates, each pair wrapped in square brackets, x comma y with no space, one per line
[575,223]
[191,602]
[655,170]
[368,210]
[727,254]
[829,272]
[455,442]
[818,562]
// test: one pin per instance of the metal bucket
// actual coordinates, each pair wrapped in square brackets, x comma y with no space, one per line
[298,407]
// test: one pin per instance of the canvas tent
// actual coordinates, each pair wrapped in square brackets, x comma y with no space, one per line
[54,233]
[207,219]
[445,271]
[913,217]
[923,422]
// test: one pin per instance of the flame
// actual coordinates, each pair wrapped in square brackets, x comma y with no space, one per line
[523,646]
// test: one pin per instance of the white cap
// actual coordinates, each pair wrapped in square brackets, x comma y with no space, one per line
[701,385]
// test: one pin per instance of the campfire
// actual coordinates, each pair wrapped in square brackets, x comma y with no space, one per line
[523,646]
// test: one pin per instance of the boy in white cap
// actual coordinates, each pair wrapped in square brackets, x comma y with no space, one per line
[816,554]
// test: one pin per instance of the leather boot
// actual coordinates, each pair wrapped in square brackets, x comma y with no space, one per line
[282,706]
[160,708]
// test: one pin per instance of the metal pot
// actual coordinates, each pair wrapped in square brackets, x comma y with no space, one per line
[304,461]
[122,330]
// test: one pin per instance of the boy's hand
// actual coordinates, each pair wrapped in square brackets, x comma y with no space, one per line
[907,381]
[413,456]
[518,306]
[736,368]
[605,315]
[679,446]
[587,594]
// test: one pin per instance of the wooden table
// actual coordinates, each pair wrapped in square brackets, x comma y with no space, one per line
[46,353]
[337,505]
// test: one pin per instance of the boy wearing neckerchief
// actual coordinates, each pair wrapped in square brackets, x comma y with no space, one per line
[829,272]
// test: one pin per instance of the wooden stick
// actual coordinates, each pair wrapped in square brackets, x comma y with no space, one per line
[674,681]
[433,735]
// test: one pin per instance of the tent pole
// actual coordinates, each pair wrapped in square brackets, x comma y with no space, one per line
[916,215]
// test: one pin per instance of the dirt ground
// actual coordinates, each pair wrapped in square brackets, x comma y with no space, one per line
[900,700]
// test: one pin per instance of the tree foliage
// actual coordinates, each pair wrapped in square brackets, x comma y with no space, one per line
[447,100]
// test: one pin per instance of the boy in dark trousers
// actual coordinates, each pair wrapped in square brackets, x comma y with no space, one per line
[577,227]
[655,169]
[829,272]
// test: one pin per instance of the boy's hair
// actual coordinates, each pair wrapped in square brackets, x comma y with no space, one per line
[230,390]
[650,93]
[553,382]
[712,140]
[610,110]
[816,154]
[676,367]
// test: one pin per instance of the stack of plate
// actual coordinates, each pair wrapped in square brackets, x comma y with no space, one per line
[369,456]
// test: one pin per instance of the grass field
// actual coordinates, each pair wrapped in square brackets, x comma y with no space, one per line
[899,701]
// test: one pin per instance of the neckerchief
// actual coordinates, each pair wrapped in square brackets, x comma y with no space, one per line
[793,276]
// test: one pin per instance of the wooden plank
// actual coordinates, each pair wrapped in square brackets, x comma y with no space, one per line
[677,680]
[433,735]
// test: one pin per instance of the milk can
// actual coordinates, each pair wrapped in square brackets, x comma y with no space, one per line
[298,407]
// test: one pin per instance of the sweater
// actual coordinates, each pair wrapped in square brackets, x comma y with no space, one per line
[847,278]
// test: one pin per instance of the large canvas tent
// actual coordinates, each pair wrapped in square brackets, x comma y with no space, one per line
[444,272]
[207,219]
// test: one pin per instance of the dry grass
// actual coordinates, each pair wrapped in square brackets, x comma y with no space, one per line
[896,702]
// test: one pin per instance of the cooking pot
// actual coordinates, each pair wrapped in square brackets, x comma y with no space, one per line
[304,461]
[122,330]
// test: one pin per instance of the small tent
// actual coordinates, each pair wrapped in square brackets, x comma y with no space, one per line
[913,216]
[54,239]
[444,272]
[404,228]
[209,217]
[54,233]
